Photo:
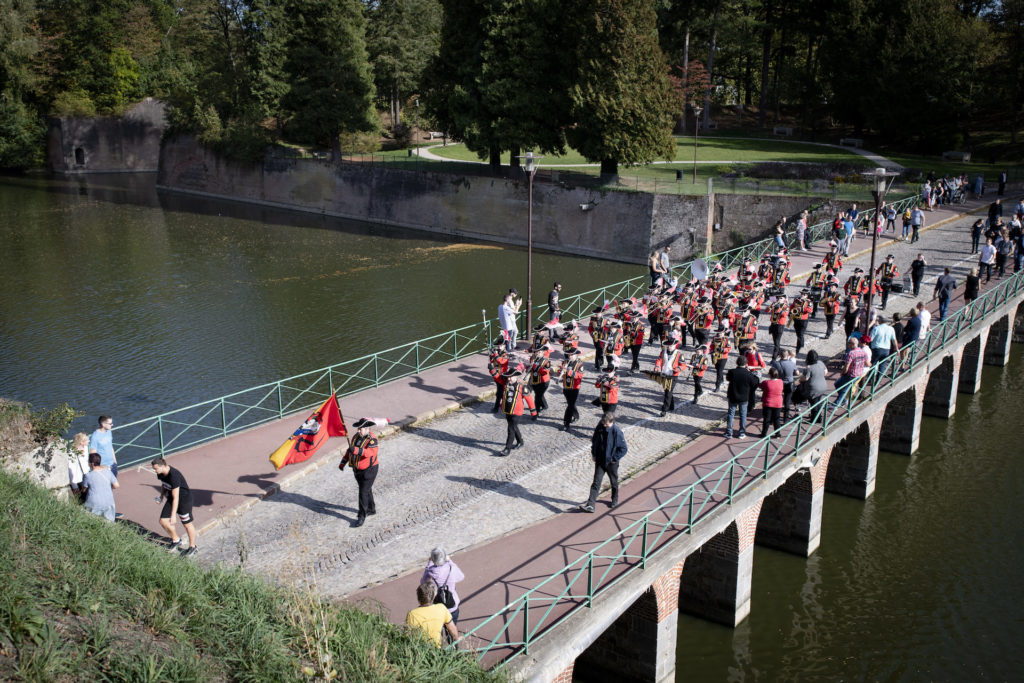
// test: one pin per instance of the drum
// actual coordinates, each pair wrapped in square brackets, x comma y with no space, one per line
[896,288]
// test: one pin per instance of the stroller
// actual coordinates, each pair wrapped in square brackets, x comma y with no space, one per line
[960,195]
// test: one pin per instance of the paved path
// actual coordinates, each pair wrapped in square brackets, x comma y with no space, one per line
[876,159]
[441,482]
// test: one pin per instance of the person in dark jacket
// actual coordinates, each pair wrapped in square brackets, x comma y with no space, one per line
[911,328]
[607,447]
[972,284]
[742,385]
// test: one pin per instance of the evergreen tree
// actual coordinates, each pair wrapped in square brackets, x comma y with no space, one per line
[330,86]
[402,36]
[622,100]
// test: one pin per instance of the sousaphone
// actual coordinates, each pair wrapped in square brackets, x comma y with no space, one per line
[699,269]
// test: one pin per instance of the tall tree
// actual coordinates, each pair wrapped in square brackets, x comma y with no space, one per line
[21,128]
[622,101]
[402,36]
[330,86]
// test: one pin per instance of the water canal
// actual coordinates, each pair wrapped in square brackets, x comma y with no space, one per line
[122,300]
[921,582]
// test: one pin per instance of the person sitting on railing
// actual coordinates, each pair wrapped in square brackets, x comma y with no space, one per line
[856,362]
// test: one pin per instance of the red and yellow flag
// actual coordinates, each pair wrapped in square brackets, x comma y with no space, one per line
[325,422]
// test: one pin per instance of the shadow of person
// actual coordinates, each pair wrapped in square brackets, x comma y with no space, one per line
[441,435]
[143,531]
[312,504]
[263,481]
[514,490]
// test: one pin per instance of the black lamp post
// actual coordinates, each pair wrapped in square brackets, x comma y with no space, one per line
[530,166]
[878,177]
[696,132]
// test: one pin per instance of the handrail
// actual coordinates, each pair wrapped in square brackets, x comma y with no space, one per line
[695,503]
[181,428]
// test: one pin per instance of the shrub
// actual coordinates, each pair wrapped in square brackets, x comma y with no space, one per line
[74,102]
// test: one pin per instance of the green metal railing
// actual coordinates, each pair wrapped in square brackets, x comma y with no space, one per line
[183,428]
[530,616]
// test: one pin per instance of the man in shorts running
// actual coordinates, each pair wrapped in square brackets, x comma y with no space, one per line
[177,499]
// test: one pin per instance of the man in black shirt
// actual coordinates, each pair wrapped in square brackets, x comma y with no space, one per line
[742,385]
[917,272]
[178,497]
[554,311]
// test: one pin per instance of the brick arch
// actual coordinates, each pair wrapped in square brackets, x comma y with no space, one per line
[1018,324]
[901,419]
[850,468]
[970,364]
[997,346]
[941,389]
[790,518]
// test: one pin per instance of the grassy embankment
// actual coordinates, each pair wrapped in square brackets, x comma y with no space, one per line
[86,600]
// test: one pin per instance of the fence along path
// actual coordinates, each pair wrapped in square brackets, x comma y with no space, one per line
[184,428]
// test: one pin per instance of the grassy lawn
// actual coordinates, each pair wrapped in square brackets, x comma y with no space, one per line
[89,600]
[710,148]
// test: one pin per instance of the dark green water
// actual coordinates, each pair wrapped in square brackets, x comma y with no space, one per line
[121,300]
[921,582]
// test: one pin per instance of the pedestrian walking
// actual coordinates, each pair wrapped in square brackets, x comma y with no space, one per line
[856,362]
[177,499]
[99,483]
[742,384]
[917,221]
[442,571]
[972,284]
[976,230]
[607,448]
[78,465]
[102,442]
[362,456]
[944,287]
[1004,250]
[925,316]
[430,618]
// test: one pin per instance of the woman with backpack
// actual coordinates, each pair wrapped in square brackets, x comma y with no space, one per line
[443,571]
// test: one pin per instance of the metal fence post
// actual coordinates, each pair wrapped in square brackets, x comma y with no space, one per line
[280,402]
[643,546]
[526,624]
[223,419]
[160,434]
[590,581]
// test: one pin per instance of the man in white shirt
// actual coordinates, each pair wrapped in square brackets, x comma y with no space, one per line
[507,318]
[926,318]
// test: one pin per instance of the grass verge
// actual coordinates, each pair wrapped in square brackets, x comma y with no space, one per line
[84,599]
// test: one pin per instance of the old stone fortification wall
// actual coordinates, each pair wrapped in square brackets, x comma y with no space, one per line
[748,218]
[130,143]
[623,226]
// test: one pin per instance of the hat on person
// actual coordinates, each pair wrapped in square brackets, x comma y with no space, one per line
[517,371]
[364,422]
[573,352]
[668,341]
[818,265]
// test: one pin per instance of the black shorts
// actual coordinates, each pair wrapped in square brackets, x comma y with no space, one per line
[184,509]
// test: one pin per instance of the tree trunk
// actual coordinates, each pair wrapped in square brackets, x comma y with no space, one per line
[748,86]
[686,81]
[766,53]
[396,106]
[513,161]
[711,65]
[609,169]
[494,158]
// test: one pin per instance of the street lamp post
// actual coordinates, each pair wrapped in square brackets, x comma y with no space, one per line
[530,166]
[878,177]
[696,132]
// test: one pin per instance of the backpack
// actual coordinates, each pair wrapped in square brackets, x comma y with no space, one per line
[444,593]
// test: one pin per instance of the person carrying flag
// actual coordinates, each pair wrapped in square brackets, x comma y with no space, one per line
[362,457]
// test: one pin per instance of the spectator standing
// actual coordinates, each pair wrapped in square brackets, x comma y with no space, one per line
[430,618]
[444,573]
[666,264]
[917,267]
[849,228]
[177,498]
[554,310]
[607,448]
[926,194]
[1002,183]
[890,218]
[987,259]
[742,385]
[883,343]
[907,217]
[995,211]
[979,186]
[78,465]
[944,287]
[812,384]
[102,442]
[972,284]
[926,319]
[911,328]
[1017,238]
[853,213]
[916,223]
[99,483]
[655,268]
[856,362]
[897,328]
[771,402]
[801,231]
[786,367]
[780,231]
[507,313]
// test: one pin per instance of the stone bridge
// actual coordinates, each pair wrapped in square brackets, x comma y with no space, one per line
[630,629]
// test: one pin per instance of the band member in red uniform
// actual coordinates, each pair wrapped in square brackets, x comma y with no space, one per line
[570,339]
[780,317]
[857,285]
[799,312]
[703,321]
[720,348]
[571,373]
[816,285]
[746,327]
[833,260]
[362,456]
[608,398]
[886,273]
[540,376]
[515,398]
[497,364]
[699,362]
[669,365]
[831,301]
[634,336]
[614,342]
